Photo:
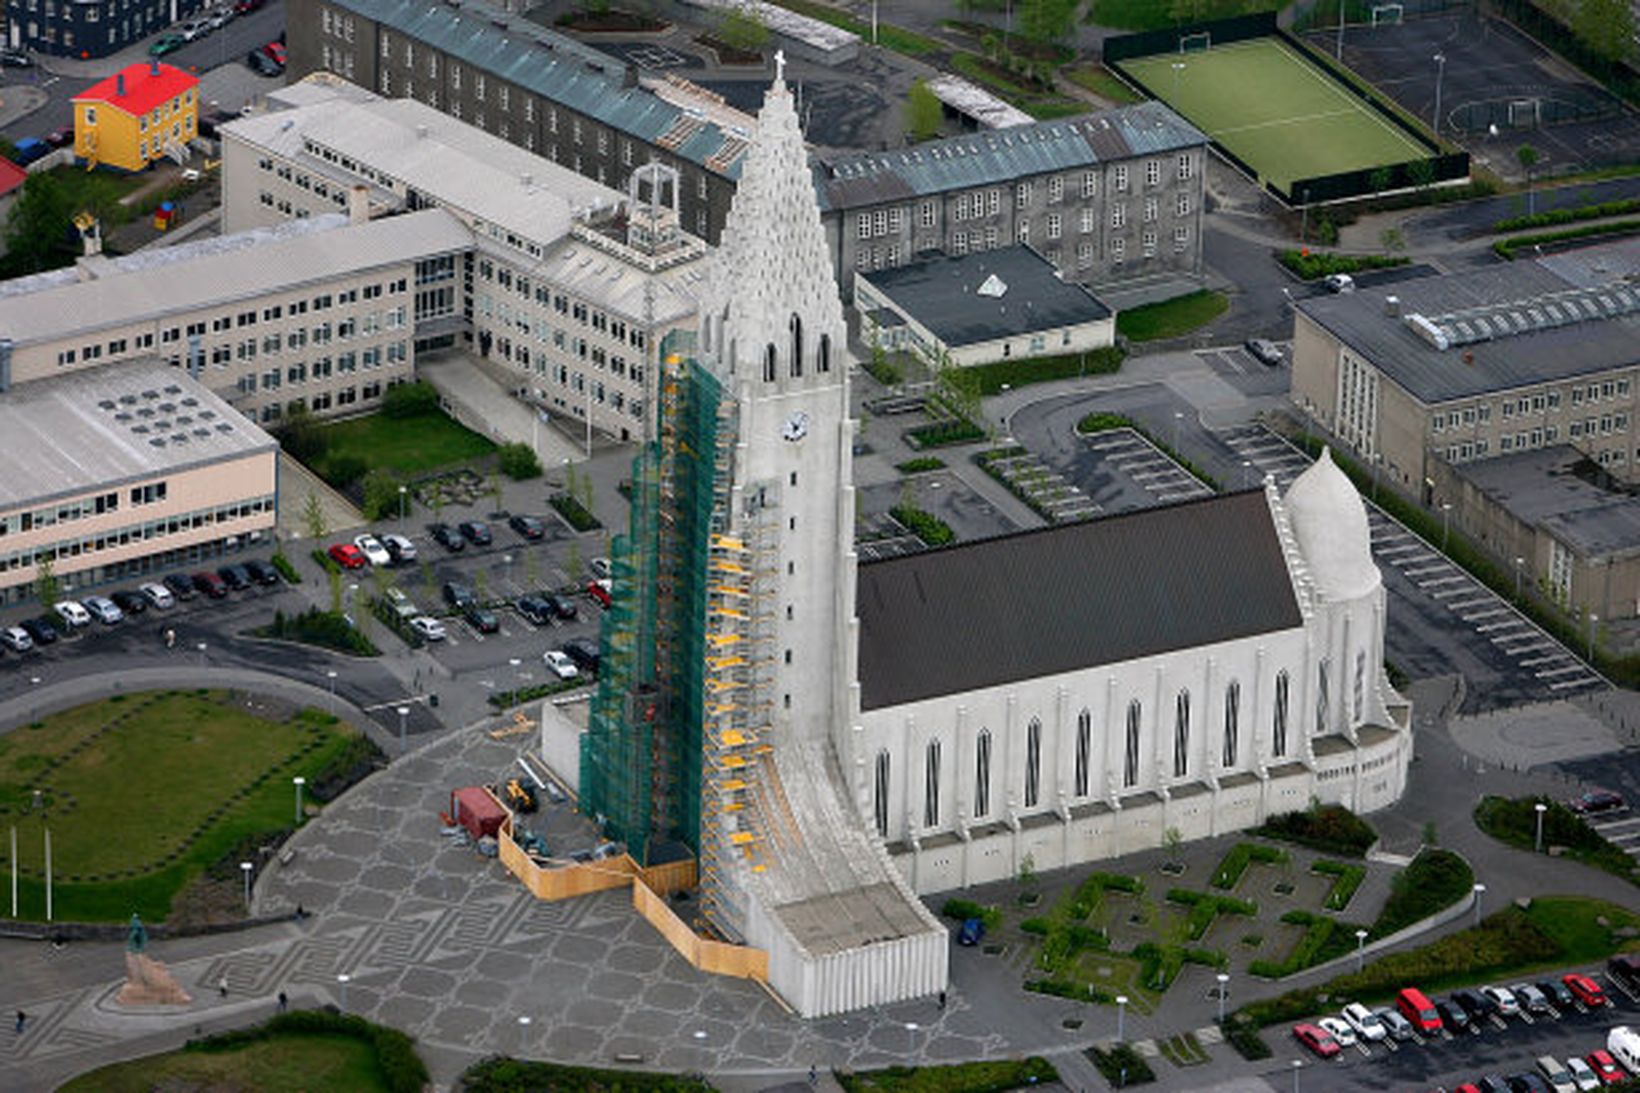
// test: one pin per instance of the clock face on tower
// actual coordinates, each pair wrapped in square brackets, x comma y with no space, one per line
[796,427]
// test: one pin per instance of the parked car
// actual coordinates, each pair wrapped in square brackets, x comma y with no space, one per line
[1584,989]
[1365,1022]
[1624,968]
[61,136]
[584,652]
[446,536]
[16,639]
[210,584]
[1557,992]
[1493,1083]
[536,609]
[1602,1063]
[601,568]
[1583,1075]
[527,526]
[195,29]
[1528,1082]
[1339,283]
[1555,1073]
[221,17]
[1478,1004]
[400,604]
[181,585]
[1453,1015]
[15,58]
[1504,999]
[131,602]
[244,7]
[1624,1044]
[458,595]
[262,572]
[235,576]
[263,65]
[347,556]
[157,595]
[1531,999]
[971,932]
[276,50]
[476,532]
[166,43]
[428,628]
[559,664]
[42,629]
[1264,351]
[399,548]
[104,610]
[599,591]
[373,551]
[1416,1008]
[1339,1029]
[1316,1039]
[562,606]
[1398,1027]
[73,613]
[1596,801]
[480,617]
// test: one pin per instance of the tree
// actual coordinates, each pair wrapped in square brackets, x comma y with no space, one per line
[1171,841]
[335,589]
[37,228]
[404,400]
[313,517]
[1606,29]
[1380,179]
[302,436]
[1049,21]
[741,29]
[381,494]
[923,112]
[1421,172]
[1528,157]
[46,586]
[1027,874]
[572,561]
[494,490]
[518,461]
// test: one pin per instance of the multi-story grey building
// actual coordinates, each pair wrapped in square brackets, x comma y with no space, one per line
[542,91]
[1109,198]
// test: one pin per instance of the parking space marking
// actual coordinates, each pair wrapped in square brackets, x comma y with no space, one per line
[1550,672]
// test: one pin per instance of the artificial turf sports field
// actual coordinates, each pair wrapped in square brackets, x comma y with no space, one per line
[1282,115]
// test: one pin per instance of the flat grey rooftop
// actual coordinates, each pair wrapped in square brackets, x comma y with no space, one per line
[972,298]
[1539,488]
[846,920]
[1055,600]
[102,427]
[1363,321]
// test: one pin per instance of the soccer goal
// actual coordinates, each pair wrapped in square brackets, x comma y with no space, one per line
[1195,43]
[1387,15]
[1523,113]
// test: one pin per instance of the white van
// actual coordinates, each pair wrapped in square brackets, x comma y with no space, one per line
[1624,1043]
[1555,1072]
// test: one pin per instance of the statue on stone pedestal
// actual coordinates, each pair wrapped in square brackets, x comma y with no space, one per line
[147,981]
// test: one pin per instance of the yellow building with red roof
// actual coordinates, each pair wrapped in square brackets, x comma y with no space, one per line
[136,116]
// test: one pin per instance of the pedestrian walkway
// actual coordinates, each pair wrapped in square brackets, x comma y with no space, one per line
[475,399]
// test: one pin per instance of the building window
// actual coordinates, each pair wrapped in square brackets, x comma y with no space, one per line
[823,360]
[982,773]
[1186,165]
[1084,744]
[1090,183]
[1182,207]
[1056,190]
[927,214]
[1118,215]
[1181,734]
[768,363]
[1121,178]
[1022,195]
[931,785]
[1033,762]
[879,797]
[1153,172]
[1278,743]
[1130,752]
[1323,670]
[795,328]
[1053,225]
[1359,698]
[1232,722]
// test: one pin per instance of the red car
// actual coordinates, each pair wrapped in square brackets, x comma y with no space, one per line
[1467,1087]
[276,50]
[599,591]
[347,556]
[1584,989]
[1605,1067]
[1317,1039]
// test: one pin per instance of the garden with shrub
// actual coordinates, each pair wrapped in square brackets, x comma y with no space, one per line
[1235,863]
[1121,1065]
[988,1077]
[1311,265]
[325,629]
[923,524]
[1434,881]
[1331,829]
[1514,821]
[503,1075]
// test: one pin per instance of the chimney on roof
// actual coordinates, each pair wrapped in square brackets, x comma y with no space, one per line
[629,78]
[1392,306]
[119,85]
[421,132]
[358,204]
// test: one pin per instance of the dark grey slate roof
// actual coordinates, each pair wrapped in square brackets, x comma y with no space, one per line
[1434,375]
[1002,155]
[941,293]
[1058,599]
[551,65]
[1539,488]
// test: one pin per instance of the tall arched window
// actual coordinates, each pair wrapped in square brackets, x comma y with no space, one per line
[796,327]
[931,785]
[1033,762]
[982,773]
[1181,735]
[768,363]
[1359,703]
[1323,670]
[1084,745]
[823,360]
[1278,738]
[1130,754]
[1232,722]
[879,797]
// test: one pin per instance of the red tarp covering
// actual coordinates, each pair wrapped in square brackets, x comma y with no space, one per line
[477,811]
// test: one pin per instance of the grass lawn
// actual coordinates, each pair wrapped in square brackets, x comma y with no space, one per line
[1283,116]
[144,791]
[296,1063]
[955,1078]
[408,445]
[1154,14]
[1097,79]
[1170,318]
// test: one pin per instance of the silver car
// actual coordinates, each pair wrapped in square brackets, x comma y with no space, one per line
[16,639]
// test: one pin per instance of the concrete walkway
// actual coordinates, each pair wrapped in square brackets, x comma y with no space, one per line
[482,404]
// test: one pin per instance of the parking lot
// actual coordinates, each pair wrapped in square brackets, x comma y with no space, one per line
[1495,1045]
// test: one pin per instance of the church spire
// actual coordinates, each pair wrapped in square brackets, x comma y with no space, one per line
[773,262]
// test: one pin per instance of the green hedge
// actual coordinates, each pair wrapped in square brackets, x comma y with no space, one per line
[1324,939]
[991,1077]
[1515,822]
[401,1068]
[1064,988]
[326,562]
[518,461]
[1568,216]
[1331,829]
[326,629]
[1434,881]
[942,434]
[1120,1063]
[1317,263]
[1349,878]
[964,909]
[503,700]
[924,525]
[1204,908]
[1506,248]
[1240,857]
[1243,1035]
[920,464]
[990,379]
[286,570]
[572,510]
[503,1075]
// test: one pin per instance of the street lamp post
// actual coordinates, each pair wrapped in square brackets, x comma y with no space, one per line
[330,676]
[1246,473]
[201,647]
[1178,417]
[1298,1064]
[404,712]
[523,1032]
[341,982]
[1121,1018]
[1593,620]
[1480,890]
[1518,563]
[245,867]
[403,491]
[1440,74]
[298,782]
[1360,949]
[1446,524]
[911,1028]
[1540,808]
[1224,992]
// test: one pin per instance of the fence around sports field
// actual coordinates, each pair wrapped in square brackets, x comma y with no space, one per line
[1432,169]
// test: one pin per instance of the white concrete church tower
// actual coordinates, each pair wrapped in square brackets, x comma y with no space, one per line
[788,862]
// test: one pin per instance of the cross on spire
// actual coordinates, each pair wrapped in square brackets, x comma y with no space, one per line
[779,65]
